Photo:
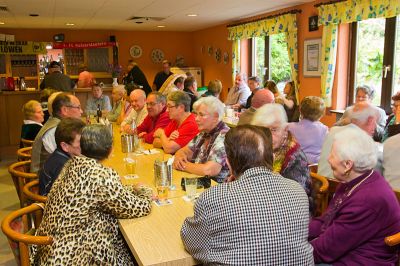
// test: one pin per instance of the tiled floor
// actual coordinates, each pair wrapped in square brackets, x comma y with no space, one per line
[8,202]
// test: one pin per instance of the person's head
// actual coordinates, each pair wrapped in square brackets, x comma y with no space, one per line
[271,85]
[364,93]
[273,116]
[262,97]
[179,83]
[178,103]
[312,108]
[364,115]
[68,135]
[66,105]
[247,147]
[137,99]
[289,89]
[97,90]
[254,83]
[209,112]
[96,141]
[32,110]
[353,153]
[396,102]
[118,93]
[190,84]
[155,103]
[240,79]
[50,101]
[54,67]
[215,87]
[131,64]
[166,66]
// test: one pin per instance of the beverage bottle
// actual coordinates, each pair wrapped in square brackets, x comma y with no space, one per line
[98,113]
[133,128]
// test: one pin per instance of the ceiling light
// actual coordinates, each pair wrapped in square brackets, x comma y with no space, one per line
[2,23]
[49,46]
[160,26]
[191,15]
[70,24]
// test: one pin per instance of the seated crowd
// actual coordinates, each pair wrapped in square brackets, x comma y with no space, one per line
[259,213]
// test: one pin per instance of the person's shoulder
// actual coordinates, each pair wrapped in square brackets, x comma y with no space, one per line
[391,142]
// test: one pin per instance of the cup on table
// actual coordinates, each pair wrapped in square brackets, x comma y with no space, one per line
[191,187]
[162,192]
[130,165]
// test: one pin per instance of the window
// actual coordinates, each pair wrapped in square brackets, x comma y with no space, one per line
[375,58]
[270,59]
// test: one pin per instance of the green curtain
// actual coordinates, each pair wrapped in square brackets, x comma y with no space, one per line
[235,59]
[330,16]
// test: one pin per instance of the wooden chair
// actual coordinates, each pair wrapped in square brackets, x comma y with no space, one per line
[31,191]
[320,186]
[20,238]
[27,143]
[20,174]
[394,240]
[313,167]
[24,154]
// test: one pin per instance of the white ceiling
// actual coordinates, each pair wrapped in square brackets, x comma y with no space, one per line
[114,14]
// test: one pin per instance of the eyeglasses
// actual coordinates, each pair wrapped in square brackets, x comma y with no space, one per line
[200,114]
[171,106]
[72,106]
[151,104]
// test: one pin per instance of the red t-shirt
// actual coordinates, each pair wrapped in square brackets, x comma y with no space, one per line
[150,125]
[187,131]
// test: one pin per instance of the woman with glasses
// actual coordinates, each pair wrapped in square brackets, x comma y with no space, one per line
[205,155]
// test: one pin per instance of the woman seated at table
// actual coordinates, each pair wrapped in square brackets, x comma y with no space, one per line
[214,88]
[363,211]
[393,122]
[83,207]
[205,155]
[289,102]
[97,100]
[33,119]
[289,160]
[312,108]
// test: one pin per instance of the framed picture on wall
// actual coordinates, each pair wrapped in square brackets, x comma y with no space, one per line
[312,58]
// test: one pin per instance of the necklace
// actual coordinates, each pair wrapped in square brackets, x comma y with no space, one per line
[358,184]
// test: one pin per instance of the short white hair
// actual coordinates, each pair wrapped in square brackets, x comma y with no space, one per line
[270,114]
[120,89]
[354,144]
[362,114]
[213,104]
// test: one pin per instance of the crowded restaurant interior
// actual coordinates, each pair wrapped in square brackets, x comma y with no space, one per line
[200,132]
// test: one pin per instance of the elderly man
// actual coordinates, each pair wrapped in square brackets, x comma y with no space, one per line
[205,155]
[162,76]
[260,98]
[139,112]
[239,93]
[67,136]
[119,103]
[156,118]
[181,129]
[64,105]
[190,88]
[363,115]
[56,79]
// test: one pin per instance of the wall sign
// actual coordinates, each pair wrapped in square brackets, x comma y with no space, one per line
[312,58]
[83,45]
[22,47]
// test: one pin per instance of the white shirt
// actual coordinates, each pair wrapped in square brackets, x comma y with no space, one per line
[138,117]
[49,141]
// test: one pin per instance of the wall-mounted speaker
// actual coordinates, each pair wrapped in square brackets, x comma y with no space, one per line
[112,38]
[59,37]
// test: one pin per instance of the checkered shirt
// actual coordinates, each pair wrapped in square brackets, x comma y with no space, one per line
[260,219]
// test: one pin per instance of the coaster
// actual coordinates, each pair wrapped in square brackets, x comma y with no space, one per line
[186,198]
[128,177]
[162,203]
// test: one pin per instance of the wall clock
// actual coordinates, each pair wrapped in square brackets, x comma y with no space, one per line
[157,56]
[135,51]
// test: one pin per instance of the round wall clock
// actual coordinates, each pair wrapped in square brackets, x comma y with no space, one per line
[135,51]
[157,56]
[218,55]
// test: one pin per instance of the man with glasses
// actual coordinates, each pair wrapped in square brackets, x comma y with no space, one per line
[156,118]
[67,137]
[64,105]
[181,129]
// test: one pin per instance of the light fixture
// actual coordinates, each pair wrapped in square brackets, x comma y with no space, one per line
[2,23]
[160,26]
[191,15]
[49,46]
[70,24]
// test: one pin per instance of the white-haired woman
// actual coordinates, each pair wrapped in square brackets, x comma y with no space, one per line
[119,103]
[363,211]
[205,155]
[289,159]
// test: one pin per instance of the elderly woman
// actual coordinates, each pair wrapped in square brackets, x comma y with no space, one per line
[33,119]
[289,102]
[393,122]
[119,103]
[83,207]
[214,88]
[363,211]
[365,93]
[97,100]
[243,220]
[205,154]
[289,159]
[312,108]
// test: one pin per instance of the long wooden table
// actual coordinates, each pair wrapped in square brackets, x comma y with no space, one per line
[154,239]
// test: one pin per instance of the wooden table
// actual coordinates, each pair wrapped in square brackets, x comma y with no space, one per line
[154,239]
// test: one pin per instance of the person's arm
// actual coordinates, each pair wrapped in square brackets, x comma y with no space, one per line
[244,94]
[107,104]
[162,141]
[209,168]
[162,122]
[182,156]
[49,141]
[115,112]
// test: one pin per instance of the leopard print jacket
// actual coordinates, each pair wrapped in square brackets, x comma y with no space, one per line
[81,216]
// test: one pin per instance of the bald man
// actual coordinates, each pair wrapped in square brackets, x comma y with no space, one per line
[261,97]
[139,112]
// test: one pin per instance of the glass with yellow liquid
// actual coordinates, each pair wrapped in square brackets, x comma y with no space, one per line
[130,165]
[162,192]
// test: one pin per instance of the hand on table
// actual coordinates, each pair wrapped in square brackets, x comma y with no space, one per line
[158,133]
[141,135]
[180,162]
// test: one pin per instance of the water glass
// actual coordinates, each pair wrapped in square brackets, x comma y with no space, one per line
[191,187]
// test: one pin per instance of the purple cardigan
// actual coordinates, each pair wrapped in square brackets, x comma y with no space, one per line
[354,233]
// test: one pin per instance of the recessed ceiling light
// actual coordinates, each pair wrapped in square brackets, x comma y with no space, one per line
[2,23]
[70,24]
[160,26]
[191,15]
[34,15]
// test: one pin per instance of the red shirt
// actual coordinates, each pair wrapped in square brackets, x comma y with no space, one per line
[150,125]
[187,130]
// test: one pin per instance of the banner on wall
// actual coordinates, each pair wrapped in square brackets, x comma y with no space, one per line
[83,45]
[22,47]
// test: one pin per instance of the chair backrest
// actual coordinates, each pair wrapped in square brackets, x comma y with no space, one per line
[16,226]
[24,154]
[31,191]
[27,143]
[313,167]
[320,187]
[20,174]
[394,240]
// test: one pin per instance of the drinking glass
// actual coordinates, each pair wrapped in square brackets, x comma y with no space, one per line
[130,165]
[190,186]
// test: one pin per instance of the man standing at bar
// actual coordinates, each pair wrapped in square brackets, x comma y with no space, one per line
[56,79]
